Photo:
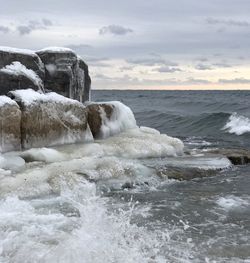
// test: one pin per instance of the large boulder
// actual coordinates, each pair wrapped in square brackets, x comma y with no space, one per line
[50,119]
[26,57]
[10,123]
[65,73]
[17,76]
[20,69]
[109,118]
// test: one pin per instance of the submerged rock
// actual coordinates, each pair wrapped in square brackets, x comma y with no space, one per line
[236,156]
[50,119]
[184,173]
[10,123]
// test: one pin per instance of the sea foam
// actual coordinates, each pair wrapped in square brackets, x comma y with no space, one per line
[237,124]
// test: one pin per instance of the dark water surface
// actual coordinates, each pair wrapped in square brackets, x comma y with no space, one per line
[208,219]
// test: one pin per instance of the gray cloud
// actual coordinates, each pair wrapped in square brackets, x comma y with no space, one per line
[167,69]
[151,61]
[4,29]
[234,81]
[222,65]
[115,30]
[229,22]
[203,67]
[34,25]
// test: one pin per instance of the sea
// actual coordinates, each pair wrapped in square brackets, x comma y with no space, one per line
[112,200]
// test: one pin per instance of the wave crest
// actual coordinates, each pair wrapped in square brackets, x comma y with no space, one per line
[237,124]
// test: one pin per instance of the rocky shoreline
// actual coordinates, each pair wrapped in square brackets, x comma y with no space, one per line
[45,100]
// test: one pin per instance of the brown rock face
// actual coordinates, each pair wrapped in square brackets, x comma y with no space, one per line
[47,121]
[95,118]
[10,122]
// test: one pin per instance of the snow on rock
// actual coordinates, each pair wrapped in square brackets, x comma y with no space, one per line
[29,96]
[17,69]
[6,100]
[10,122]
[17,50]
[108,118]
[55,49]
[50,119]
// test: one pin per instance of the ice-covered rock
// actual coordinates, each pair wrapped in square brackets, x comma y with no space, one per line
[56,69]
[10,123]
[50,119]
[65,73]
[109,118]
[17,76]
[17,66]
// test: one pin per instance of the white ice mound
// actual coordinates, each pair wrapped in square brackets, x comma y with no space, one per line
[17,69]
[11,162]
[47,155]
[121,120]
[237,124]
[142,143]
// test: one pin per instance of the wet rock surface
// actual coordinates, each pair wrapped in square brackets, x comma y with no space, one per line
[236,156]
[180,173]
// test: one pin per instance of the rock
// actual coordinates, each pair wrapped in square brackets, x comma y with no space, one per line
[96,114]
[85,84]
[10,123]
[236,156]
[109,118]
[12,81]
[26,57]
[50,119]
[184,173]
[20,69]
[65,73]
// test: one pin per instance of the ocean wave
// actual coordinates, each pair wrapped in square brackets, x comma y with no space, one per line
[237,124]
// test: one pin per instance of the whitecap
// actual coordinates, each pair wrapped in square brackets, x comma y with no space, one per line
[237,124]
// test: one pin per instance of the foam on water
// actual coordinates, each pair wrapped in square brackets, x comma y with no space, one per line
[231,202]
[94,234]
[237,124]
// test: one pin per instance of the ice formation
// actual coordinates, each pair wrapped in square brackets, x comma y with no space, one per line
[16,68]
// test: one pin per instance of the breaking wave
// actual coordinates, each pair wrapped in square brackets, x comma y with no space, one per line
[237,124]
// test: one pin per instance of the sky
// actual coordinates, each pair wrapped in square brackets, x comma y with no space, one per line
[140,44]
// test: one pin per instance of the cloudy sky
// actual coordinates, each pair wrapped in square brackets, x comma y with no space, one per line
[140,44]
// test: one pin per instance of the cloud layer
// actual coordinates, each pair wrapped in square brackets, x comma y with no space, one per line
[161,42]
